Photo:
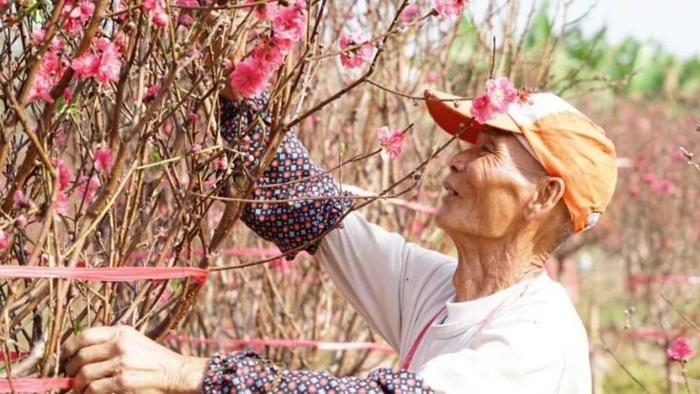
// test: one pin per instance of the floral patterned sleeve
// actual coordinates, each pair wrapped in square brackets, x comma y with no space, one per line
[244,126]
[248,373]
[291,175]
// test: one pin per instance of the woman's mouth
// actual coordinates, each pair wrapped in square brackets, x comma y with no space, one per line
[449,190]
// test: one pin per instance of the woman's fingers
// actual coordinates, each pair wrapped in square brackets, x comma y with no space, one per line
[89,337]
[90,354]
[96,373]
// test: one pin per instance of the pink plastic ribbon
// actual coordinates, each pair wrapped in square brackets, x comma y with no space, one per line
[34,385]
[140,255]
[638,280]
[104,274]
[647,333]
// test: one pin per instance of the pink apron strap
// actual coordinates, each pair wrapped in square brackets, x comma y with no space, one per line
[414,348]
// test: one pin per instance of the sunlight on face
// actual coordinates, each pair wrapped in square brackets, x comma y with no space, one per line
[487,187]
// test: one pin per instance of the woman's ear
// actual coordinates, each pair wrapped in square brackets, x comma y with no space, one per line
[548,191]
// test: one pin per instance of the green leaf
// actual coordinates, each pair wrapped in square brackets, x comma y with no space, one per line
[77,327]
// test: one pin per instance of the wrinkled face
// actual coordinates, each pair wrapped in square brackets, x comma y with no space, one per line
[489,187]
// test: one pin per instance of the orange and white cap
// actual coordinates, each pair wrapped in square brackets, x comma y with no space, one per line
[565,142]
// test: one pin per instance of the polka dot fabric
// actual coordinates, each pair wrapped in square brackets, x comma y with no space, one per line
[248,373]
[291,175]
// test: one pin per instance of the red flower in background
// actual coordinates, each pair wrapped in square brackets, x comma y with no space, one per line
[64,174]
[75,15]
[87,187]
[250,77]
[4,243]
[679,349]
[355,57]
[102,63]
[103,159]
[391,142]
[157,12]
[482,109]
[449,8]
[48,70]
[500,93]
[410,14]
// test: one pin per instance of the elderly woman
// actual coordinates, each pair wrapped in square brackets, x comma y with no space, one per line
[490,321]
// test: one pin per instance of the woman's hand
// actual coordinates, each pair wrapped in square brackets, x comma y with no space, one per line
[121,359]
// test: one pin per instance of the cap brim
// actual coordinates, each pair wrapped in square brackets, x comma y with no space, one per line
[453,114]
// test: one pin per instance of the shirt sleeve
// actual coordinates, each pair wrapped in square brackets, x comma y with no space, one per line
[248,373]
[397,286]
[298,200]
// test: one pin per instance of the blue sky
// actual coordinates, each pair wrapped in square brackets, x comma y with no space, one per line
[673,23]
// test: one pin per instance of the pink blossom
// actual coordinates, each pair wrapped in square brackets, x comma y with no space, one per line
[157,12]
[270,54]
[501,93]
[3,3]
[220,164]
[57,44]
[41,88]
[263,11]
[410,14]
[86,64]
[152,92]
[87,187]
[663,186]
[20,200]
[449,8]
[678,155]
[75,15]
[4,242]
[391,142]
[482,109]
[167,128]
[67,94]
[193,117]
[38,36]
[110,62]
[249,78]
[102,63]
[64,174]
[355,57]
[185,20]
[649,178]
[20,221]
[417,226]
[61,203]
[431,77]
[679,349]
[103,159]
[289,22]
[119,39]
[45,78]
